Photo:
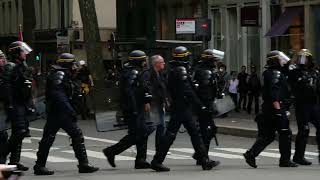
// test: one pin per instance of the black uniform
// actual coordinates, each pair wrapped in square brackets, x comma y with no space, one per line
[206,81]
[134,95]
[17,84]
[254,90]
[275,89]
[3,132]
[61,93]
[243,90]
[306,88]
[183,96]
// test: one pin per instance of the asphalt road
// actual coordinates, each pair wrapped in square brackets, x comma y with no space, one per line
[182,165]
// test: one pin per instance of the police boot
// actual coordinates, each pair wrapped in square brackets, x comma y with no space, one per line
[15,158]
[287,163]
[42,156]
[81,155]
[285,149]
[110,156]
[208,164]
[301,143]
[42,171]
[159,167]
[250,159]
[142,147]
[142,164]
[4,147]
[302,161]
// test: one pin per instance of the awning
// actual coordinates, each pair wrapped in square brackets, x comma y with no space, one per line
[283,23]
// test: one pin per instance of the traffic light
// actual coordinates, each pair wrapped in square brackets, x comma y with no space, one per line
[38,57]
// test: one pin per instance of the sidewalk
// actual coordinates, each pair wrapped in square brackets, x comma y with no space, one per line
[242,124]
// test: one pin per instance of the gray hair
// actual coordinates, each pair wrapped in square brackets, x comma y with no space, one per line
[154,59]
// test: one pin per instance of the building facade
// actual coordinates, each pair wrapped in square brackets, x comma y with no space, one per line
[54,17]
[286,25]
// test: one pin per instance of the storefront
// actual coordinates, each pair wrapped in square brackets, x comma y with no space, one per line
[297,27]
[239,40]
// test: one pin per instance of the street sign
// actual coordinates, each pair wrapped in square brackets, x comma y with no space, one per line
[250,16]
[185,26]
[63,44]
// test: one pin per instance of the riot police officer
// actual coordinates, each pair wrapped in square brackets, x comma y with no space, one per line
[304,80]
[3,132]
[61,92]
[205,78]
[274,115]
[135,94]
[17,87]
[183,96]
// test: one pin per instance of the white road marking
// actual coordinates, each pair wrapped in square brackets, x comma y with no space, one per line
[54,159]
[214,154]
[100,155]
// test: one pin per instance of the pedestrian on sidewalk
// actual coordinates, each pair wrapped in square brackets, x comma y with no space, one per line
[243,88]
[254,90]
[233,89]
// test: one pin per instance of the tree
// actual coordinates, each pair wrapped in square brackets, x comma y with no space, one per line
[92,37]
[29,22]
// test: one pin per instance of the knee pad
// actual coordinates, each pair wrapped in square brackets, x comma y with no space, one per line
[171,136]
[306,131]
[3,137]
[47,141]
[285,133]
[19,134]
[77,137]
[269,139]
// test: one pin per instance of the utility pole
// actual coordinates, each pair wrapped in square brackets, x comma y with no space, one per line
[204,10]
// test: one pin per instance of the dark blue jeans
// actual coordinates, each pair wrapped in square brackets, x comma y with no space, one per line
[161,127]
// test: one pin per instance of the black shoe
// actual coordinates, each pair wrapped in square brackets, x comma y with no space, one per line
[42,171]
[287,164]
[209,164]
[302,161]
[198,163]
[142,165]
[20,166]
[250,160]
[110,157]
[87,168]
[159,167]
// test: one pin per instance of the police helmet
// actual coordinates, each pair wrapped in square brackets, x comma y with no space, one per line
[66,60]
[181,53]
[137,58]
[304,57]
[212,54]
[278,56]
[2,55]
[17,47]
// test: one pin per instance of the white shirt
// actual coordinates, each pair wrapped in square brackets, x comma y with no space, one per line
[233,86]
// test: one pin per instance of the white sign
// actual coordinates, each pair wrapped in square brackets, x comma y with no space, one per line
[185,26]
[63,43]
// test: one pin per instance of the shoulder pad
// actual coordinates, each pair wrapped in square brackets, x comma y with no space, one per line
[276,76]
[182,72]
[9,66]
[292,67]
[58,77]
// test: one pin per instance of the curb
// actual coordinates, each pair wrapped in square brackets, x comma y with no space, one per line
[252,133]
